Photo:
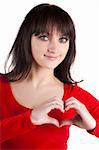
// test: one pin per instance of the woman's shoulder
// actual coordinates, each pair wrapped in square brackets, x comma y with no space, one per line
[75,90]
[71,87]
[3,80]
[3,77]
[80,93]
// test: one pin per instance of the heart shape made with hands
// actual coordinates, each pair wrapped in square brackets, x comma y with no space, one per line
[63,118]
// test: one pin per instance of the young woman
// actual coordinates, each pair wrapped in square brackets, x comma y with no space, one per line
[38,97]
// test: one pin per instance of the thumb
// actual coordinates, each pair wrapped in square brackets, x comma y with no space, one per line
[66,122]
[53,121]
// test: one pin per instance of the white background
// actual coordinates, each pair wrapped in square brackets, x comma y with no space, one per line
[86,18]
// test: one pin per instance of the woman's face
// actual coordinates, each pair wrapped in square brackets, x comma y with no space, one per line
[49,49]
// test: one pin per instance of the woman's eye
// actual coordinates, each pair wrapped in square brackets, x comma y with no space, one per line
[43,37]
[63,39]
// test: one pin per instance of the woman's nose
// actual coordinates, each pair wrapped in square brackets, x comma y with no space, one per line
[52,47]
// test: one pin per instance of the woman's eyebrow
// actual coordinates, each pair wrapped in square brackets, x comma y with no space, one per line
[63,34]
[45,33]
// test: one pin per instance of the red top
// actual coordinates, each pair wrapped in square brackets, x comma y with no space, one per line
[18,132]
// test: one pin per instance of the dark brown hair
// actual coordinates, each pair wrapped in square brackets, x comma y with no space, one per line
[41,18]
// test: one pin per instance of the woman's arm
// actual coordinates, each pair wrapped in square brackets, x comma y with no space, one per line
[15,125]
[92,105]
[87,110]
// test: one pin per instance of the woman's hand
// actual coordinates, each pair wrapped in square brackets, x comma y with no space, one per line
[83,118]
[39,114]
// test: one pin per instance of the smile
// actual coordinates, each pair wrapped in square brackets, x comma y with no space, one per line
[51,57]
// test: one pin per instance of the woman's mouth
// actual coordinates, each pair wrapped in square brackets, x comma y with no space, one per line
[51,57]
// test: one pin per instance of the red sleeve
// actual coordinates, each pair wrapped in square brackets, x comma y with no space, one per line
[15,125]
[91,103]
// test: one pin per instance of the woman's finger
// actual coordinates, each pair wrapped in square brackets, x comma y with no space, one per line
[70,106]
[53,121]
[66,122]
[72,103]
[53,106]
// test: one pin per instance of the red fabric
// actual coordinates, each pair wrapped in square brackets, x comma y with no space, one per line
[18,132]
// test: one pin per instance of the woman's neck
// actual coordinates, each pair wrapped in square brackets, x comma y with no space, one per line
[41,76]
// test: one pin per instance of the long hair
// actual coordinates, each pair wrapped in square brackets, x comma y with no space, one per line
[41,18]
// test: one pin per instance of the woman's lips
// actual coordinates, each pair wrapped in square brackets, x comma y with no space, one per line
[51,57]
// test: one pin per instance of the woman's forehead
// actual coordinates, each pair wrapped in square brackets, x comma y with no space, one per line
[52,30]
